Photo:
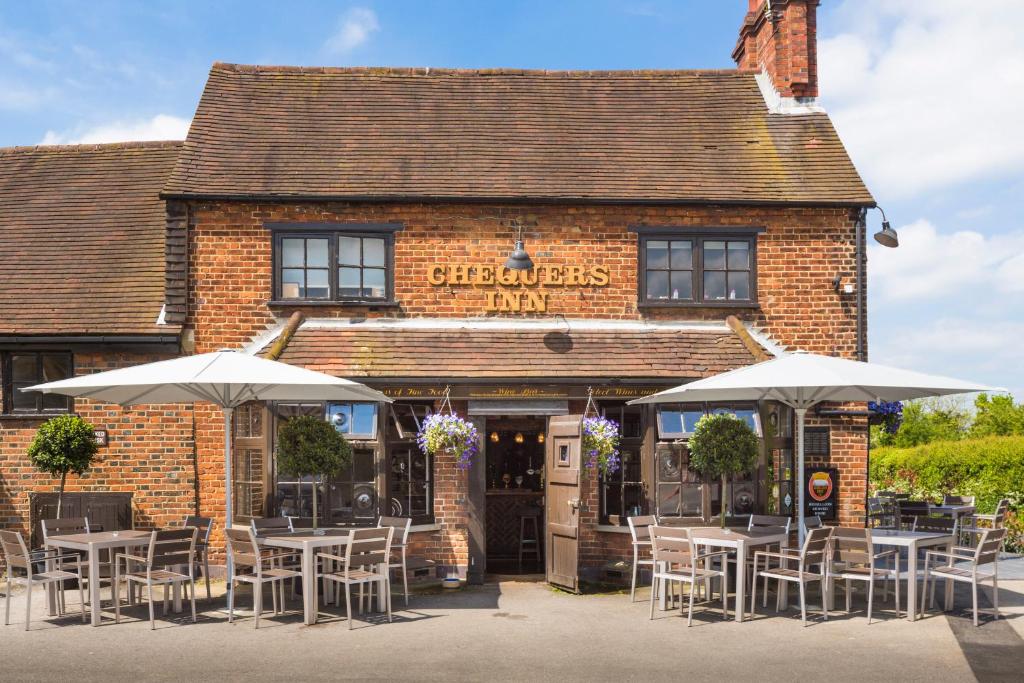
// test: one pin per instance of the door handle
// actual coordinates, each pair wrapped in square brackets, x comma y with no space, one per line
[574,503]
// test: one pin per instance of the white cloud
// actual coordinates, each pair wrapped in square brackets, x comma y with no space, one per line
[356,27]
[934,265]
[160,127]
[927,94]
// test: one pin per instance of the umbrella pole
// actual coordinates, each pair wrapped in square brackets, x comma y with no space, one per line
[228,486]
[800,414]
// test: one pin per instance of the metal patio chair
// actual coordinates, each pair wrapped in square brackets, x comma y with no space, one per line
[399,539]
[365,562]
[167,550]
[640,531]
[982,556]
[72,525]
[204,525]
[854,559]
[907,512]
[17,556]
[948,499]
[257,566]
[676,560]
[975,525]
[815,552]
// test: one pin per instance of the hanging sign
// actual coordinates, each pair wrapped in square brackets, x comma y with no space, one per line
[821,492]
[514,291]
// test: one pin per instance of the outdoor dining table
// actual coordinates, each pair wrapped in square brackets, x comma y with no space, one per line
[91,544]
[914,541]
[954,511]
[309,541]
[744,542]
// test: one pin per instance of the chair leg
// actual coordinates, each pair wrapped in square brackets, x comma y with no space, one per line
[28,598]
[924,591]
[803,603]
[231,599]
[7,600]
[632,588]
[116,594]
[689,617]
[405,578]
[192,581]
[826,592]
[846,589]
[654,593]
[753,593]
[995,594]
[871,597]
[896,586]
[387,592]
[152,619]
[206,573]
[257,602]
[974,600]
[348,604]
[724,585]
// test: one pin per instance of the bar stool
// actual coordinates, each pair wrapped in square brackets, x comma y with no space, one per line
[531,545]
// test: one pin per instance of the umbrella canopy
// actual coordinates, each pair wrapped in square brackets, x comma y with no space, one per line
[226,378]
[801,380]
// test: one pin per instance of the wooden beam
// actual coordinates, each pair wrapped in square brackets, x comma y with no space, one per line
[740,330]
[281,343]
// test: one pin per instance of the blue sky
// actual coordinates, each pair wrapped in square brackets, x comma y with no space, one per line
[927,97]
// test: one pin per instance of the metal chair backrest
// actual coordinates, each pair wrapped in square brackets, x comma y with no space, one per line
[672,545]
[945,525]
[909,510]
[852,546]
[262,525]
[957,500]
[401,526]
[989,544]
[242,546]
[15,551]
[68,525]
[812,522]
[640,526]
[172,547]
[769,521]
[204,525]
[817,545]
[368,547]
[1001,509]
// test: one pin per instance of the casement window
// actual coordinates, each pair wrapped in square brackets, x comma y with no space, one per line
[354,420]
[678,420]
[623,493]
[334,264]
[26,368]
[408,472]
[688,268]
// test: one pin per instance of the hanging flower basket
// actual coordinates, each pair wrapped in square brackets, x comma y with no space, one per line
[887,413]
[601,444]
[448,432]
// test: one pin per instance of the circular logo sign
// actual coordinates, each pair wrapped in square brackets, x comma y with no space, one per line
[820,486]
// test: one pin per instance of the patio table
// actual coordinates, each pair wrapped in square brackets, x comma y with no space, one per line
[91,544]
[914,541]
[954,511]
[742,541]
[309,542]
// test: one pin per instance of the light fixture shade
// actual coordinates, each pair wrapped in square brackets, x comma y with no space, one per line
[519,259]
[494,437]
[887,237]
[518,437]
[540,438]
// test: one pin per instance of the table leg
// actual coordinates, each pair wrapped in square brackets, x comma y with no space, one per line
[911,581]
[51,594]
[308,585]
[741,579]
[94,586]
[177,596]
[948,597]
[784,590]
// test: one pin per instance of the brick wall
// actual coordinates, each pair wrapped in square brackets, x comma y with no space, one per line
[799,253]
[149,454]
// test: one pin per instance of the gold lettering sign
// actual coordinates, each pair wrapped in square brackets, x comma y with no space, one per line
[525,293]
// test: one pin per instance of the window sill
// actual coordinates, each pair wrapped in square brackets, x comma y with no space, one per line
[612,529]
[419,528]
[28,417]
[698,304]
[299,303]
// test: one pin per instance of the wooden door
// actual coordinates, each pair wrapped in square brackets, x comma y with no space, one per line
[562,501]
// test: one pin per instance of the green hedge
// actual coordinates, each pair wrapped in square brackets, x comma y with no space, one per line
[990,469]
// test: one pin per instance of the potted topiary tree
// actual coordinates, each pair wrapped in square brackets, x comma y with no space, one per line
[722,445]
[309,445]
[64,445]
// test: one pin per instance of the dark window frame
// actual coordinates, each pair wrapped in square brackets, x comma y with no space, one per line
[332,232]
[698,236]
[8,383]
[616,410]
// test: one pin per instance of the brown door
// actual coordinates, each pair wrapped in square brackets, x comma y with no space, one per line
[562,501]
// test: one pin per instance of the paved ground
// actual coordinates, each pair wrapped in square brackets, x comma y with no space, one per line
[514,631]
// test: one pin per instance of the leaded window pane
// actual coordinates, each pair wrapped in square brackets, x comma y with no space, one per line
[373,252]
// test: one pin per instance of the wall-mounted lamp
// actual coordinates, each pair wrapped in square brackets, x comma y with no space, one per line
[495,438]
[518,437]
[540,438]
[887,237]
[837,284]
[519,259]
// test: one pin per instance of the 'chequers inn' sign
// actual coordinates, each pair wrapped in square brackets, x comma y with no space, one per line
[517,290]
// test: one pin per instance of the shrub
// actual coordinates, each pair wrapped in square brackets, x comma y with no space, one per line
[722,445]
[989,469]
[64,445]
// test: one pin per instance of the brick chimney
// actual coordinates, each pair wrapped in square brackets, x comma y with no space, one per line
[779,37]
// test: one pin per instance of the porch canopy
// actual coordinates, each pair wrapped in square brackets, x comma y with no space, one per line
[225,378]
[801,380]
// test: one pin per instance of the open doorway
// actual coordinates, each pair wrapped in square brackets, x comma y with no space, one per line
[515,494]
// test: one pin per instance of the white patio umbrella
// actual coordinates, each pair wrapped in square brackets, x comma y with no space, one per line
[801,380]
[226,378]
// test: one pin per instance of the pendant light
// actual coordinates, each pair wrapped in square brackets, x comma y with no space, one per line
[887,237]
[519,259]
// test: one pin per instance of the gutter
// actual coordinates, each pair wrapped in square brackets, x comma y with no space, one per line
[90,339]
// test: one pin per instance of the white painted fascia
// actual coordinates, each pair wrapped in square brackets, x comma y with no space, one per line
[563,324]
[777,104]
[259,342]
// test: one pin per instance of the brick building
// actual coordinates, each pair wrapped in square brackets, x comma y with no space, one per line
[681,223]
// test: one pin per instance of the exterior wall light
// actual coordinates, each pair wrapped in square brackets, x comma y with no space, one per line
[518,437]
[519,259]
[540,438]
[495,438]
[887,237]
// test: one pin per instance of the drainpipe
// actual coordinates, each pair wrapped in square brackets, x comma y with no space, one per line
[862,355]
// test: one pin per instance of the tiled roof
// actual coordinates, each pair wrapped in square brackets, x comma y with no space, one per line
[363,133]
[452,353]
[82,238]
